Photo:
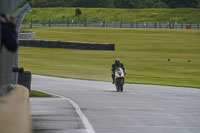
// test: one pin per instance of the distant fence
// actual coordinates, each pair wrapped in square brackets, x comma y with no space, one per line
[68,45]
[124,25]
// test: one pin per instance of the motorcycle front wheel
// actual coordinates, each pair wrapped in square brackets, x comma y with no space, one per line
[119,84]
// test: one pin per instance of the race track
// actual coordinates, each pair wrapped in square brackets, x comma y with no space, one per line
[139,109]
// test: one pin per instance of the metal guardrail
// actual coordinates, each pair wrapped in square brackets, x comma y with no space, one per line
[20,15]
[18,21]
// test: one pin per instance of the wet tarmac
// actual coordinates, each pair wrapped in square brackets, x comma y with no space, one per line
[54,115]
[139,109]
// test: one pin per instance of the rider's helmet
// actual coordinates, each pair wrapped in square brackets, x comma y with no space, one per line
[117,61]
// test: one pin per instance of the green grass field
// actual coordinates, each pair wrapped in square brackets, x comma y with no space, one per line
[60,15]
[144,52]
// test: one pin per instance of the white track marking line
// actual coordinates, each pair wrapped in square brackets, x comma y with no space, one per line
[87,124]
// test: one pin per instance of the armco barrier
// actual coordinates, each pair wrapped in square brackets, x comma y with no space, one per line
[44,44]
[68,45]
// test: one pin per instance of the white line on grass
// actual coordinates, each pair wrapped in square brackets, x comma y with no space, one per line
[87,124]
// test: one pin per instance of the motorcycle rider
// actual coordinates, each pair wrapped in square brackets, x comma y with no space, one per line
[8,33]
[115,66]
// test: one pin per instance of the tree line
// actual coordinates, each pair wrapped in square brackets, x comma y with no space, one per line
[117,3]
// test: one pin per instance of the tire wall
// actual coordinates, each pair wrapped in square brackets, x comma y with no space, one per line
[68,45]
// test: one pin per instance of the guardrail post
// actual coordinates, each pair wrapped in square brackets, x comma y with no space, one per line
[49,22]
[131,24]
[86,23]
[155,24]
[121,24]
[104,23]
[67,22]
[136,24]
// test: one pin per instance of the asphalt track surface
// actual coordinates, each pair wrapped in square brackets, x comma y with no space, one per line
[139,109]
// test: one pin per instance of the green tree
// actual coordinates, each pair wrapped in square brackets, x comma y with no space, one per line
[105,3]
[198,3]
[46,3]
[181,3]
[117,3]
[78,12]
[159,4]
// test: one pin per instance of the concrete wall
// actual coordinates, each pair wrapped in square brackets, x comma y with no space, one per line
[26,35]
[14,111]
[68,45]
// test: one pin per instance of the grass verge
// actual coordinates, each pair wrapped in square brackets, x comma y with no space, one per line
[39,94]
[164,15]
[144,52]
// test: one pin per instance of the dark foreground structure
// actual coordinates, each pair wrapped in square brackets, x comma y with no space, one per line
[14,110]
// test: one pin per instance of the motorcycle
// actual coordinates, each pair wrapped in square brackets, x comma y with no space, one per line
[119,79]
